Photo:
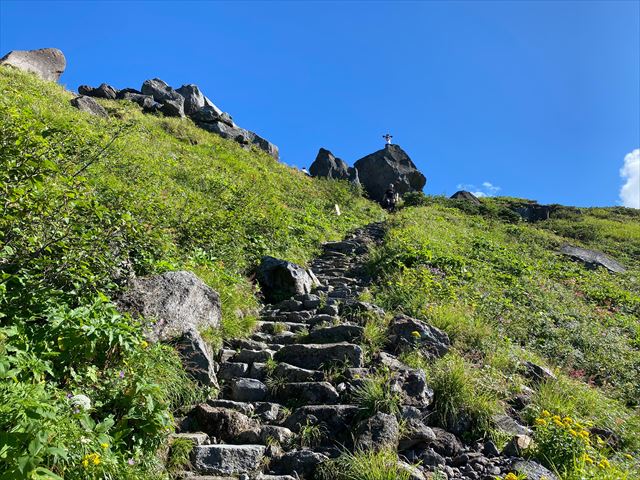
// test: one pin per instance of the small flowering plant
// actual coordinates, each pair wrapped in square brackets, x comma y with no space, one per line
[566,445]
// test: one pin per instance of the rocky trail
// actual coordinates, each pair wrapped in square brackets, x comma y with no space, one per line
[286,400]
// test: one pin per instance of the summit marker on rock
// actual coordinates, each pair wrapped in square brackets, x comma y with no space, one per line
[391,165]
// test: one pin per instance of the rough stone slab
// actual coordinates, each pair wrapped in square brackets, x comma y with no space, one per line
[313,356]
[89,105]
[335,334]
[592,258]
[293,374]
[227,459]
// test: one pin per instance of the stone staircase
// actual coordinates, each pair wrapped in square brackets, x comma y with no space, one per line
[285,401]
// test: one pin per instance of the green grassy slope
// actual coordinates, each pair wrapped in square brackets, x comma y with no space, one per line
[504,295]
[84,201]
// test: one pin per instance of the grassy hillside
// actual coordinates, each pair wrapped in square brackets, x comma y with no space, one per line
[88,201]
[505,296]
[85,202]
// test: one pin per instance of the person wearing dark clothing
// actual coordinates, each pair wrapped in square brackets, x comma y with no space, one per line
[390,198]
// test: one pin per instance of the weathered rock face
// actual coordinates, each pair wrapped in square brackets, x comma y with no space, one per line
[178,301]
[592,258]
[224,126]
[47,63]
[103,91]
[89,105]
[391,165]
[466,196]
[280,279]
[329,166]
[181,305]
[227,459]
[532,470]
[193,98]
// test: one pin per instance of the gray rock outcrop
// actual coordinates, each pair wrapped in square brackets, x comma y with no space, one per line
[329,166]
[172,102]
[47,63]
[592,258]
[89,105]
[379,432]
[391,165]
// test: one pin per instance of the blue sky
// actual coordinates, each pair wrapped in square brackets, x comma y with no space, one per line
[539,99]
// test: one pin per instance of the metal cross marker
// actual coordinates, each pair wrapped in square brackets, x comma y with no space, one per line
[388,138]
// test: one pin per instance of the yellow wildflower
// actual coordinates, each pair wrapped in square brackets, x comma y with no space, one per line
[104,445]
[628,457]
[587,459]
[144,344]
[85,463]
[541,421]
[558,422]
[604,463]
[573,433]
[567,420]
[556,418]
[511,476]
[584,433]
[415,334]
[96,460]
[545,413]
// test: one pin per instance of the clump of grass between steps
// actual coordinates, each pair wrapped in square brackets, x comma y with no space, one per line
[374,394]
[364,465]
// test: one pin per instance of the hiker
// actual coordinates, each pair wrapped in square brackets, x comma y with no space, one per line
[390,198]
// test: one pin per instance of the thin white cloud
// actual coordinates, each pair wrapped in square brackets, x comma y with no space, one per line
[630,172]
[487,189]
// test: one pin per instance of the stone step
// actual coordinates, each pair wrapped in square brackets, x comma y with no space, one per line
[252,356]
[231,370]
[226,459]
[275,327]
[291,373]
[334,334]
[315,356]
[315,393]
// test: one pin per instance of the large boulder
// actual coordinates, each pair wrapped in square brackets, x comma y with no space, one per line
[592,258]
[177,301]
[89,105]
[329,166]
[147,102]
[164,94]
[391,165]
[181,305]
[280,279]
[47,63]
[103,91]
